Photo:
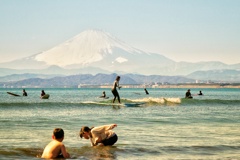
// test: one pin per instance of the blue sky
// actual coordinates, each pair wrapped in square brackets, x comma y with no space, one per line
[182,30]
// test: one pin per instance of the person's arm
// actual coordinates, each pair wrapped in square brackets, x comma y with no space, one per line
[111,126]
[98,140]
[108,127]
[117,84]
[64,152]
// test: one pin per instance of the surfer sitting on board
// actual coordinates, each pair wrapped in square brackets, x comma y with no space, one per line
[56,149]
[114,89]
[200,93]
[24,92]
[100,135]
[103,95]
[43,93]
[188,94]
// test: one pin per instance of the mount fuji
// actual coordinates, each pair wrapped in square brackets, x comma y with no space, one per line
[94,49]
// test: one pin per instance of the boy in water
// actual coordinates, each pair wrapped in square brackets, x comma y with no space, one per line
[56,149]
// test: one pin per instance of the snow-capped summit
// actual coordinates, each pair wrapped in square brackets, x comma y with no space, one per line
[87,47]
[98,50]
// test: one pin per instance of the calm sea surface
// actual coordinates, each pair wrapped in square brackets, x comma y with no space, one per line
[167,126]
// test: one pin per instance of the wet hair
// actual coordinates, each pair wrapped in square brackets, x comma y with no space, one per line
[58,133]
[118,77]
[84,129]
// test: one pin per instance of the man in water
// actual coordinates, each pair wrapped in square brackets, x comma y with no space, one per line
[43,93]
[146,91]
[103,135]
[24,92]
[200,93]
[188,94]
[103,95]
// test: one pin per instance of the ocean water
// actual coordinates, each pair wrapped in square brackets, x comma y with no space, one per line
[166,126]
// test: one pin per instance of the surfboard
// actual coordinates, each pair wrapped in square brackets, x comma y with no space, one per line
[104,97]
[13,94]
[116,104]
[104,103]
[46,96]
[133,104]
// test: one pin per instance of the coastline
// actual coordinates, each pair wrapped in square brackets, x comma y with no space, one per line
[172,86]
[186,85]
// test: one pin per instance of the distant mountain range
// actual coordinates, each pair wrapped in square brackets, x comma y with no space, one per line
[88,79]
[216,75]
[95,51]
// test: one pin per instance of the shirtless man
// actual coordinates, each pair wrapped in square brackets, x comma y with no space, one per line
[56,149]
[103,135]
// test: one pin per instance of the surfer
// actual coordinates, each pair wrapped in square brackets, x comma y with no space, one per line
[56,149]
[43,93]
[146,91]
[200,93]
[103,95]
[188,94]
[100,135]
[24,92]
[114,89]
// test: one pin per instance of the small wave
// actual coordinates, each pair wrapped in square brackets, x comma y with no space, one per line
[158,100]
[150,101]
[209,102]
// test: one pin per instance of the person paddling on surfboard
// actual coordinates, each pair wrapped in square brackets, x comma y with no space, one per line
[114,89]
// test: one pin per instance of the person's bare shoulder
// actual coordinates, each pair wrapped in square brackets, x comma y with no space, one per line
[52,150]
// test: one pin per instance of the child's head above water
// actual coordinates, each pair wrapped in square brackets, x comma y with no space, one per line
[58,133]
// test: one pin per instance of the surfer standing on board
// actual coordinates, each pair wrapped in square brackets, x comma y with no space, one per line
[114,89]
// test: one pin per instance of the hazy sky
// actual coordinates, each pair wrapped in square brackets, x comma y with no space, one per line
[182,30]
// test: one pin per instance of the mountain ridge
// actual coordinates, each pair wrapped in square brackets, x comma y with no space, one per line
[98,79]
[96,51]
